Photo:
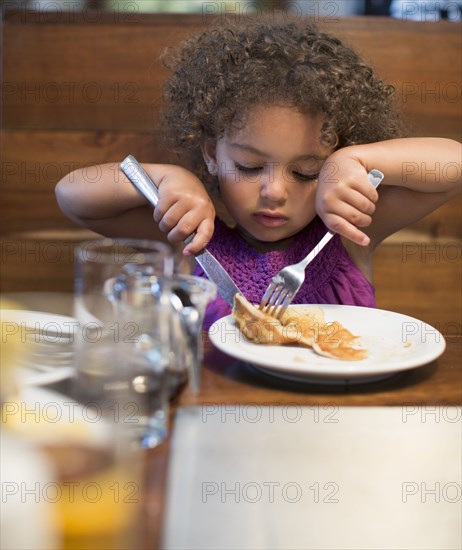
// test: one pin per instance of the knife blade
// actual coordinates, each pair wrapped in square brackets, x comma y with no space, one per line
[214,270]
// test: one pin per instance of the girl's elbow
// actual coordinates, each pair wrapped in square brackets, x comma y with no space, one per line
[61,192]
[65,196]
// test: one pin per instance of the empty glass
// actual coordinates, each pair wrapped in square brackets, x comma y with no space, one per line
[189,297]
[122,347]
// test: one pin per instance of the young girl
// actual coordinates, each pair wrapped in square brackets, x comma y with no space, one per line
[283,123]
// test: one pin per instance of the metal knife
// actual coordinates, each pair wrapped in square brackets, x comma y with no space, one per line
[212,267]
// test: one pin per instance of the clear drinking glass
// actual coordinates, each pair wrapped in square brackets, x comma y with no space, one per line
[189,297]
[122,345]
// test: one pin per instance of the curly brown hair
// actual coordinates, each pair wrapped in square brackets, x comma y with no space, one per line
[222,72]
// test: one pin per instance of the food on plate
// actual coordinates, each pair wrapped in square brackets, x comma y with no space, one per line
[301,325]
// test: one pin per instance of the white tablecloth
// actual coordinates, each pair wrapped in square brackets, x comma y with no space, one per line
[320,477]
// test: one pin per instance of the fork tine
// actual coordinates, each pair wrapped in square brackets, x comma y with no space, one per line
[273,298]
[278,302]
[281,297]
[285,304]
[267,298]
[282,303]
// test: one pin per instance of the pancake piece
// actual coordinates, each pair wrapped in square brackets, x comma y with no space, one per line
[255,325]
[305,326]
[336,341]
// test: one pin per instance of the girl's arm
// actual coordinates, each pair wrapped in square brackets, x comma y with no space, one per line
[421,174]
[104,200]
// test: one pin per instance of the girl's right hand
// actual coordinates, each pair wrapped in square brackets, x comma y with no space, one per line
[184,207]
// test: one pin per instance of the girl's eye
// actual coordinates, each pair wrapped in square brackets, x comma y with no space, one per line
[248,169]
[305,177]
[255,169]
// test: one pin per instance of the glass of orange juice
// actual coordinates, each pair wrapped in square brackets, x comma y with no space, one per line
[99,496]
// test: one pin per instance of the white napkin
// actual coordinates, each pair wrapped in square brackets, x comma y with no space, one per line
[27,518]
[320,477]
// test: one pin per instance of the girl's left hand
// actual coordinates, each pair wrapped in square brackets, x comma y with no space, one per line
[345,198]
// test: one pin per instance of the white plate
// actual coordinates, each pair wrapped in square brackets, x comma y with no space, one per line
[31,377]
[49,339]
[395,343]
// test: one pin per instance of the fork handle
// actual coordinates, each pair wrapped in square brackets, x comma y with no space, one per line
[317,249]
[375,177]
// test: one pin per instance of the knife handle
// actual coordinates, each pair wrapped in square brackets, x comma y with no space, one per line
[140,179]
[144,183]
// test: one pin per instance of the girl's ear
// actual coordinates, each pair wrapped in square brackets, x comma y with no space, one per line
[209,152]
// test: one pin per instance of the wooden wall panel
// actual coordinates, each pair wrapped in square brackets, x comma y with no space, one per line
[424,63]
[84,77]
[34,161]
[39,260]
[108,76]
[416,277]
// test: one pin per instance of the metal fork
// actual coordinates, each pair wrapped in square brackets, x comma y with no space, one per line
[287,282]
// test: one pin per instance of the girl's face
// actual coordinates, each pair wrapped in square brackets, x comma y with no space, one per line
[267,172]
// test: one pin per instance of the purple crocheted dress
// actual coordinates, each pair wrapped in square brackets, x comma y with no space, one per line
[331,278]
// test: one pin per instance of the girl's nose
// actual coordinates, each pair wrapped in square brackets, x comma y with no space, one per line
[273,186]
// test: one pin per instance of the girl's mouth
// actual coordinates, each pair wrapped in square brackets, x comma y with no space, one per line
[270,219]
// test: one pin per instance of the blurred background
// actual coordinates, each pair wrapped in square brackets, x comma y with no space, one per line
[412,10]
